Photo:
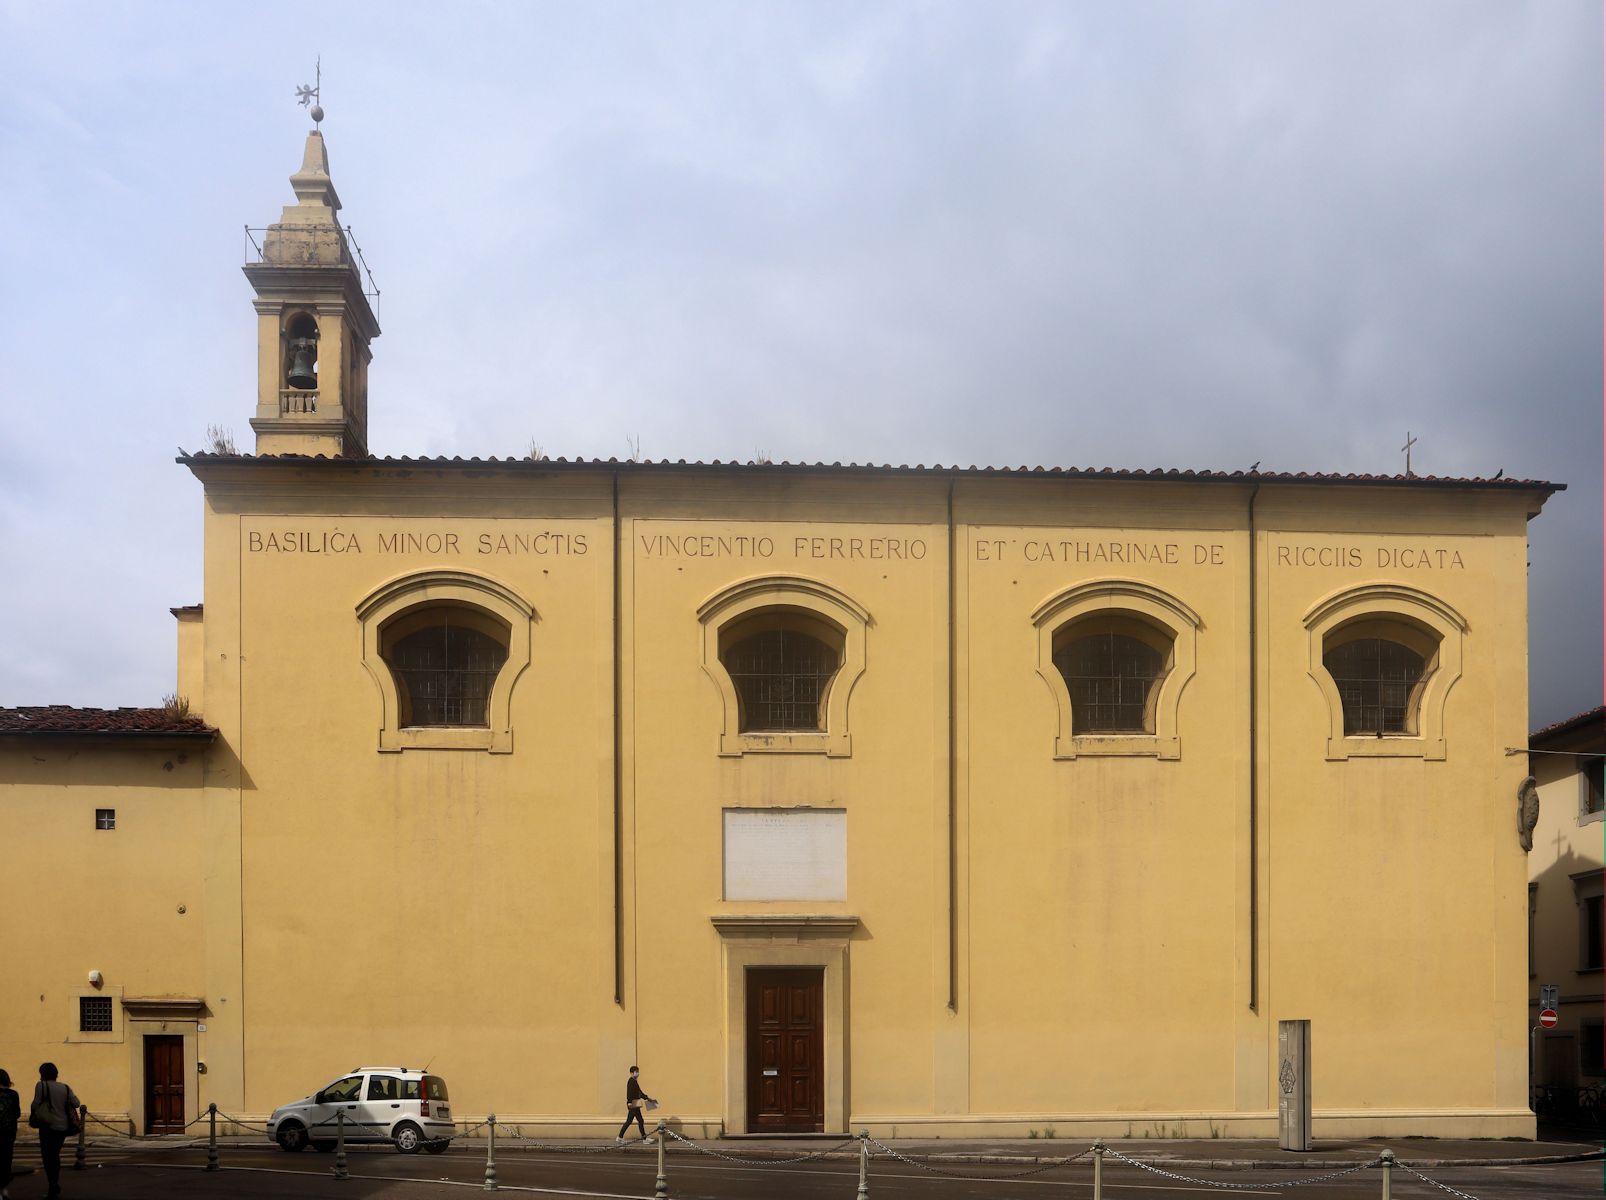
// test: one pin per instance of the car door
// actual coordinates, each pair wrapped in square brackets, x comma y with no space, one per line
[341,1096]
[382,1105]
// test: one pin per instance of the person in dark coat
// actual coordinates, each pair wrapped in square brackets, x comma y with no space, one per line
[63,1111]
[10,1113]
[635,1101]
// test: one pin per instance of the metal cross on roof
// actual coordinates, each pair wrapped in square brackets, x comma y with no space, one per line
[1409,442]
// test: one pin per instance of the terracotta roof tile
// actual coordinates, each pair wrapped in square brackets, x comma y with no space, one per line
[1169,473]
[1595,716]
[64,719]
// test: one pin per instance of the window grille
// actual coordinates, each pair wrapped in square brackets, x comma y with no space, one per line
[781,678]
[1109,676]
[445,674]
[1376,679]
[1594,785]
[94,1014]
[105,818]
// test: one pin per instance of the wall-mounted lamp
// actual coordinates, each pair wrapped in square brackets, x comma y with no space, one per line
[96,979]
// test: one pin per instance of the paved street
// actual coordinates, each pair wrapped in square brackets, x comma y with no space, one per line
[129,1172]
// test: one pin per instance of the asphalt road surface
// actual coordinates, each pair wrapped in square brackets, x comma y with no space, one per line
[382,1174]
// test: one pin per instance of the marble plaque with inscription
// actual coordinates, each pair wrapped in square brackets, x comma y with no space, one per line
[786,854]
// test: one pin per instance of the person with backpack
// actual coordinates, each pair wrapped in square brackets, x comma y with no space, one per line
[55,1113]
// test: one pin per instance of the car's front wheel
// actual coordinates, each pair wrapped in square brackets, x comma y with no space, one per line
[292,1138]
[408,1137]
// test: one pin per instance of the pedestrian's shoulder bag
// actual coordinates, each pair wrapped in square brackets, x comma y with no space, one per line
[39,1114]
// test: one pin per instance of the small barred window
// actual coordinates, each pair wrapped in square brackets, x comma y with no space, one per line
[94,1014]
[1377,683]
[445,665]
[782,676]
[105,818]
[1111,678]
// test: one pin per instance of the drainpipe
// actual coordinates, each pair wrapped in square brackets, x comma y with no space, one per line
[1254,765]
[618,770]
[953,764]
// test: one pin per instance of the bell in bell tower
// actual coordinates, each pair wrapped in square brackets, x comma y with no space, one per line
[314,320]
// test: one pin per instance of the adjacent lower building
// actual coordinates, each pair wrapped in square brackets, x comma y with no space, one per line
[923,800]
[1567,940]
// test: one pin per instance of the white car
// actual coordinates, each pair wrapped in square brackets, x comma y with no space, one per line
[380,1104]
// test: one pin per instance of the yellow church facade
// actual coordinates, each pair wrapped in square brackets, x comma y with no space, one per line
[932,801]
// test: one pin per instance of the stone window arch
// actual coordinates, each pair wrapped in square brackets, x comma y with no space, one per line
[1116,655]
[444,649]
[1384,657]
[784,653]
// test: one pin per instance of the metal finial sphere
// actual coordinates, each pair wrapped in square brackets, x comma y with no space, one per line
[316,114]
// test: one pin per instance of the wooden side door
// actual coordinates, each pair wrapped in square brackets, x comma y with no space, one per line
[785,1050]
[164,1083]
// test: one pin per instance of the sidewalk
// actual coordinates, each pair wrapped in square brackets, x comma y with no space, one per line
[1554,1146]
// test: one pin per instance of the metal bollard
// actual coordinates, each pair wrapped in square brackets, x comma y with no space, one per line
[340,1146]
[1098,1169]
[864,1165]
[211,1137]
[490,1153]
[83,1124]
[660,1187]
[1388,1172]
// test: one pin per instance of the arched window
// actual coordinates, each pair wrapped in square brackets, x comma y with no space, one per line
[1379,684]
[1384,657]
[784,653]
[781,662]
[1112,675]
[1116,655]
[445,661]
[444,649]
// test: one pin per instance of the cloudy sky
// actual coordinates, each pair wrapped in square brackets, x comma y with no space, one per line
[1193,234]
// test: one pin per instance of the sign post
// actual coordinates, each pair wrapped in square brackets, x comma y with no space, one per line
[1293,1085]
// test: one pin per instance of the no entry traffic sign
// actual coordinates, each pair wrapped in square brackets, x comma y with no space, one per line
[1547,1018]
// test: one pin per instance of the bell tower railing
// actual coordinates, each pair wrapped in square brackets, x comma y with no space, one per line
[353,255]
[297,400]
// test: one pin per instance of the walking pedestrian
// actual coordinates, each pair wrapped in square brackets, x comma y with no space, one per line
[636,1101]
[55,1113]
[10,1114]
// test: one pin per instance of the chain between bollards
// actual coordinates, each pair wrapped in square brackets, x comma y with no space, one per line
[864,1165]
[660,1187]
[1388,1172]
[1098,1169]
[83,1124]
[490,1153]
[340,1146]
[211,1137]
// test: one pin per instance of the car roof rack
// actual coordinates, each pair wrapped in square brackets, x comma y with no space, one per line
[404,1070]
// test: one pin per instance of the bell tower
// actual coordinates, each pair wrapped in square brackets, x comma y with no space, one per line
[314,323]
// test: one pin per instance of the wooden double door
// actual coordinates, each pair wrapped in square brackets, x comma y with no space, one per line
[785,1050]
[164,1083]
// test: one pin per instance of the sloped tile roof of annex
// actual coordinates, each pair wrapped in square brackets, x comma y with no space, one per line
[1174,474]
[60,720]
[1593,718]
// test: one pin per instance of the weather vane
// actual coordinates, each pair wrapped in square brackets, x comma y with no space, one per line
[309,95]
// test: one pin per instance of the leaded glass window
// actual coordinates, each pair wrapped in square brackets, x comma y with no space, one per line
[1376,680]
[781,677]
[444,672]
[1110,677]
